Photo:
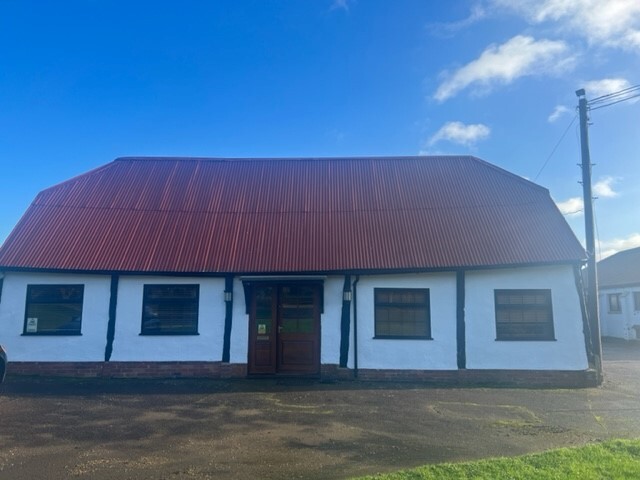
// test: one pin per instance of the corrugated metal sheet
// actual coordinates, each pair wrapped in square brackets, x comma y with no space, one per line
[620,269]
[290,215]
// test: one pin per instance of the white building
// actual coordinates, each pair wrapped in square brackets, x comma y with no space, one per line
[619,294]
[443,269]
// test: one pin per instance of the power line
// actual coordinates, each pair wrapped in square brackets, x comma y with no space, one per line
[555,148]
[608,96]
[595,222]
[613,103]
[612,98]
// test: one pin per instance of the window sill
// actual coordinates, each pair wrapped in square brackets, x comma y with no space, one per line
[397,337]
[526,340]
[169,334]
[51,334]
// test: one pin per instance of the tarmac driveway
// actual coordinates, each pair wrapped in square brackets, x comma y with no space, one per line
[108,429]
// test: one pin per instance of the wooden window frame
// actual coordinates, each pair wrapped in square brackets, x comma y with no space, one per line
[501,325]
[378,305]
[611,308]
[53,299]
[146,308]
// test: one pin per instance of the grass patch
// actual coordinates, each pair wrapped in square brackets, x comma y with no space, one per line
[615,459]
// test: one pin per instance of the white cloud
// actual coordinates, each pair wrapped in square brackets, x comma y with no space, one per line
[448,29]
[605,86]
[609,247]
[572,207]
[604,188]
[458,132]
[340,5]
[612,23]
[559,111]
[502,64]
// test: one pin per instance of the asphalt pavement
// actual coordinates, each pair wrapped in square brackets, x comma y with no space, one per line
[54,428]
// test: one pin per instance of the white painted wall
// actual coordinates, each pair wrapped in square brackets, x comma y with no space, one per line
[330,321]
[567,352]
[240,328]
[43,348]
[619,325]
[437,354]
[129,345]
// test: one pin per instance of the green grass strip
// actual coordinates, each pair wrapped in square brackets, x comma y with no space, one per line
[611,460]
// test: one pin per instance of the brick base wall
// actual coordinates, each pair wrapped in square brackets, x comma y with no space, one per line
[490,378]
[129,369]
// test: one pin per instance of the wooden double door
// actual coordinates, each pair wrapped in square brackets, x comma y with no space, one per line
[284,328]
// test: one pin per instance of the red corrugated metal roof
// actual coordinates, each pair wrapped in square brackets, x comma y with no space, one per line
[290,215]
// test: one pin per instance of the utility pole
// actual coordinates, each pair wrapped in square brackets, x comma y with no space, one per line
[592,278]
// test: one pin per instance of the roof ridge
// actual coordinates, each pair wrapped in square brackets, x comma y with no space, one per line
[621,253]
[510,174]
[473,158]
[75,178]
[295,158]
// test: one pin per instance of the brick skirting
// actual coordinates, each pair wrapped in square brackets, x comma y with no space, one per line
[130,369]
[489,378]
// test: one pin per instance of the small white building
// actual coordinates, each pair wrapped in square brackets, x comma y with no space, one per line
[619,295]
[444,269]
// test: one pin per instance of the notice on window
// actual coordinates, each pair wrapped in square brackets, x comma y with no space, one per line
[32,325]
[262,329]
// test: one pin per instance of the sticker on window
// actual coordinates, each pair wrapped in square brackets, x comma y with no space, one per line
[32,325]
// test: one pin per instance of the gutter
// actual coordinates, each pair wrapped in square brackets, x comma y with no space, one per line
[355,327]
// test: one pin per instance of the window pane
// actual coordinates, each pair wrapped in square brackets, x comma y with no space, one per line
[402,313]
[524,315]
[55,293]
[264,312]
[636,301]
[170,309]
[614,303]
[54,309]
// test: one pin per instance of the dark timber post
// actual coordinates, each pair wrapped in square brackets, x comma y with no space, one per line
[111,325]
[345,323]
[592,278]
[460,325]
[228,318]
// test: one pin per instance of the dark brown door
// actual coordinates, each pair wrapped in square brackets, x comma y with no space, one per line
[285,329]
[262,329]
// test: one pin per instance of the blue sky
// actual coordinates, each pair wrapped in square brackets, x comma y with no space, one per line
[84,82]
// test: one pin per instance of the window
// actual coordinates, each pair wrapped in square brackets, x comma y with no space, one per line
[636,301]
[614,303]
[170,310]
[524,315]
[402,313]
[53,310]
